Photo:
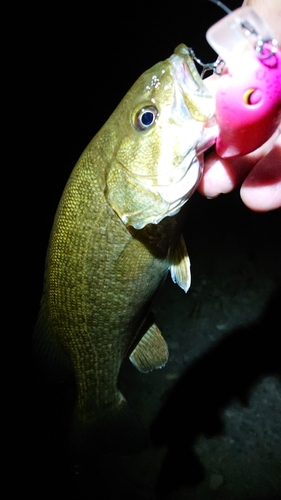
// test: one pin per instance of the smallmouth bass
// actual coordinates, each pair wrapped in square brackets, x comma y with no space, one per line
[115,236]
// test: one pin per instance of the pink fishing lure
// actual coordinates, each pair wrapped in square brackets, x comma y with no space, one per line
[248,96]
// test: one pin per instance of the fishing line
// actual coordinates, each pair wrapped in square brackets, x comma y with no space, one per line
[216,67]
[222,6]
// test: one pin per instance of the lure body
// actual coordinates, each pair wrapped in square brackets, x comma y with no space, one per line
[248,95]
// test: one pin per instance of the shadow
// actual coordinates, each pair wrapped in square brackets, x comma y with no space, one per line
[53,474]
[228,371]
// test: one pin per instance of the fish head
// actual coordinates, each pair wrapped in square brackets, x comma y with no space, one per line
[162,127]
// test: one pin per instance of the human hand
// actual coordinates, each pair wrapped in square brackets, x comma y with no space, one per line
[258,173]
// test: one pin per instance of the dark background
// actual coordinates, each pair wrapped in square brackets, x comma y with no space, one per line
[224,366]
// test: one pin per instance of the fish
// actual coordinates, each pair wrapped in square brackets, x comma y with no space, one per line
[116,234]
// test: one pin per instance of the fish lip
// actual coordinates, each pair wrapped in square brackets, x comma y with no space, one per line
[184,69]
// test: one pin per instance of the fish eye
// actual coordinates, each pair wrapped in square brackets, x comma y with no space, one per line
[145,117]
[252,96]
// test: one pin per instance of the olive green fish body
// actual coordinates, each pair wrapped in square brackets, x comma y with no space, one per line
[116,234]
[99,287]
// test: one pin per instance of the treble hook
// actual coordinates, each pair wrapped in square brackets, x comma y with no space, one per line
[260,44]
[216,67]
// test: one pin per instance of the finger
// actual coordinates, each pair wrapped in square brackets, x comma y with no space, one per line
[270,11]
[222,175]
[261,190]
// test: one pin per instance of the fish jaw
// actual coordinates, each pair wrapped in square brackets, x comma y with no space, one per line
[169,198]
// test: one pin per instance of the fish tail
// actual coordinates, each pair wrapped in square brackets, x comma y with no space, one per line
[118,432]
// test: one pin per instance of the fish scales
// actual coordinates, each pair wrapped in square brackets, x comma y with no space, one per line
[116,234]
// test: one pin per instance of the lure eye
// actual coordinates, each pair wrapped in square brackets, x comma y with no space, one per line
[252,96]
[145,117]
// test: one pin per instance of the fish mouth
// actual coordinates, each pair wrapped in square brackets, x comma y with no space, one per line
[198,100]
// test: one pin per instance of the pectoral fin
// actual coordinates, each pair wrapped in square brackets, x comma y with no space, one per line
[180,265]
[151,352]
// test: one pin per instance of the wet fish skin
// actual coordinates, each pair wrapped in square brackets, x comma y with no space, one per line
[116,234]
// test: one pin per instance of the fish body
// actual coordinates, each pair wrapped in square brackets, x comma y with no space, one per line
[115,236]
